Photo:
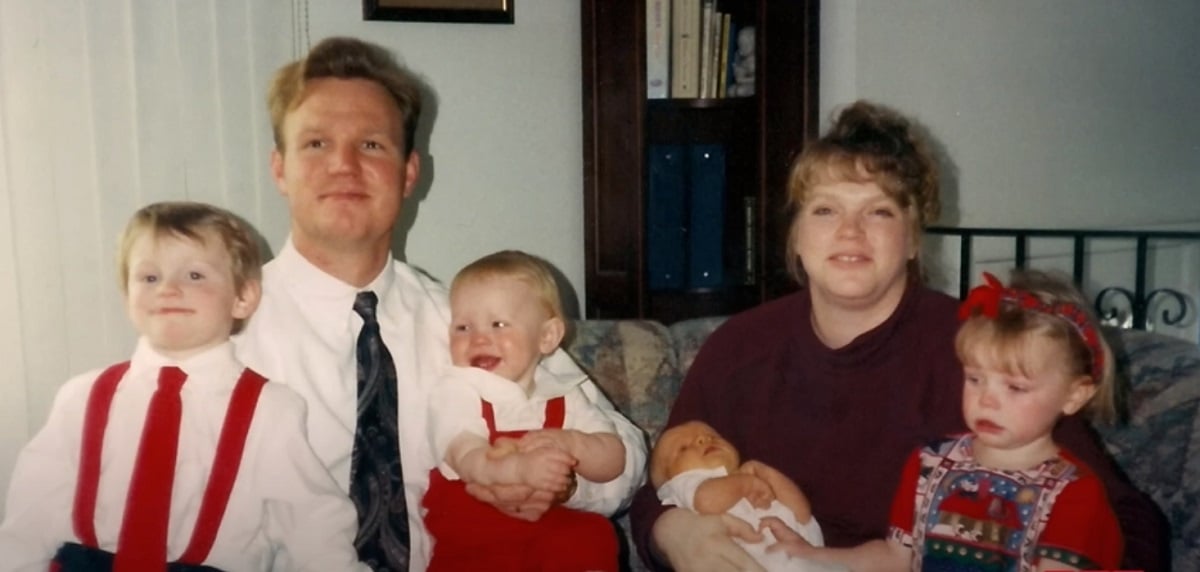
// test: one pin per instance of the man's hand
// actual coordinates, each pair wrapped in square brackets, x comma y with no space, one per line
[519,501]
[699,543]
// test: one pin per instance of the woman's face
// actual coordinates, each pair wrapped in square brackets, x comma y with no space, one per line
[854,243]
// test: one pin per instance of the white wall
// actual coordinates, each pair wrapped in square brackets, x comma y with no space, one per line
[1056,113]
[1060,114]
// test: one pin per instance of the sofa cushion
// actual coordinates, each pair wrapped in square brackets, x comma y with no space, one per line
[634,362]
[689,335]
[1159,444]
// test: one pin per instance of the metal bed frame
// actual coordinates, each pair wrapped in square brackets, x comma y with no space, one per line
[1107,301]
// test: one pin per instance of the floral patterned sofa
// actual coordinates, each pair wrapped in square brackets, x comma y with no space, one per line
[640,364]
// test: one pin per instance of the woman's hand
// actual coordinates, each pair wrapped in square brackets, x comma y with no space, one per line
[787,540]
[697,543]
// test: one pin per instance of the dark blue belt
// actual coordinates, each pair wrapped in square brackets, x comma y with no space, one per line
[73,557]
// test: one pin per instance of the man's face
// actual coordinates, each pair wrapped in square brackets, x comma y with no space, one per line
[344,169]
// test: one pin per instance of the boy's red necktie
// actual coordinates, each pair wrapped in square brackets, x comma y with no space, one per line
[143,542]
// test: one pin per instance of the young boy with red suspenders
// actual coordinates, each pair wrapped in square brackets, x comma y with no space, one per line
[181,458]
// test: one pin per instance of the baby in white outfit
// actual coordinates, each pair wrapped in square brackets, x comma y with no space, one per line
[693,467]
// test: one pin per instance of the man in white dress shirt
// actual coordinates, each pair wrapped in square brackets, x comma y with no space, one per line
[344,119]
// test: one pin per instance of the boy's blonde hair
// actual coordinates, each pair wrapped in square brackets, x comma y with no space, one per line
[345,58]
[532,270]
[1015,332]
[197,222]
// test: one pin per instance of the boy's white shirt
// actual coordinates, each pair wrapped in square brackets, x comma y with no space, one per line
[284,506]
[455,404]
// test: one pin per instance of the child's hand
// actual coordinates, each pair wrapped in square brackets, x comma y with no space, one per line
[546,468]
[554,438]
[787,540]
[756,468]
[503,447]
[759,493]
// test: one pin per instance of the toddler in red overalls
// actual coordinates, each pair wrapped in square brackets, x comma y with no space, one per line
[506,416]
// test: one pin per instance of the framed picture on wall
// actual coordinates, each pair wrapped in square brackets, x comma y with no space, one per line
[475,11]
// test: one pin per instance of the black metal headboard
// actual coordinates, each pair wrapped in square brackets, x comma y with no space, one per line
[1114,304]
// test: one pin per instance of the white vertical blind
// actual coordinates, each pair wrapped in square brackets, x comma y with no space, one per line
[106,105]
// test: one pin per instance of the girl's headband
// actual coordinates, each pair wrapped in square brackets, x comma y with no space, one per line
[986,300]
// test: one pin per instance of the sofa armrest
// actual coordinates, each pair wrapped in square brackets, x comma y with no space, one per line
[1158,444]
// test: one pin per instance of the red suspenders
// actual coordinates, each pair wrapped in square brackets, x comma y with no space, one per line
[220,482]
[556,410]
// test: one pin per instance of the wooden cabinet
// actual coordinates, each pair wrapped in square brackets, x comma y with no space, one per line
[760,135]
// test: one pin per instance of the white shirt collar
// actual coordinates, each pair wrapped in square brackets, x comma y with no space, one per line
[218,365]
[329,299]
[554,377]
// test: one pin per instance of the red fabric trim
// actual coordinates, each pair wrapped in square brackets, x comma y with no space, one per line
[556,411]
[232,443]
[95,421]
[489,417]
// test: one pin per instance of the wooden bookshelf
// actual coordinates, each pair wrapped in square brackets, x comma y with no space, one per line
[760,134]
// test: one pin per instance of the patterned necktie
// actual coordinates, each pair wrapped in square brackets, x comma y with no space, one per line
[376,481]
[142,544]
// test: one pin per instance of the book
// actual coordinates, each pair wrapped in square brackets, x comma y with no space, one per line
[666,204]
[706,216]
[658,48]
[750,230]
[731,55]
[723,56]
[707,13]
[685,49]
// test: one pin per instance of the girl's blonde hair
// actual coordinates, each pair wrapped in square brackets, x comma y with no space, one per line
[1018,330]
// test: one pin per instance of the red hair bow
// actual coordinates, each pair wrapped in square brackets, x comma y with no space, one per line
[985,301]
[985,298]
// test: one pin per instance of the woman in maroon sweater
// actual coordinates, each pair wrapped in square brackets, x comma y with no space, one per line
[836,383]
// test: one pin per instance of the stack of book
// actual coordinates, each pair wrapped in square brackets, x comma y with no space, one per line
[690,49]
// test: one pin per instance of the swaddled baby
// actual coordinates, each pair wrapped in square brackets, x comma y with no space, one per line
[693,467]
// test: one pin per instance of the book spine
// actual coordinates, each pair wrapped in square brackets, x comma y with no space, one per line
[685,49]
[707,11]
[731,57]
[706,217]
[666,253]
[750,222]
[658,48]
[723,57]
